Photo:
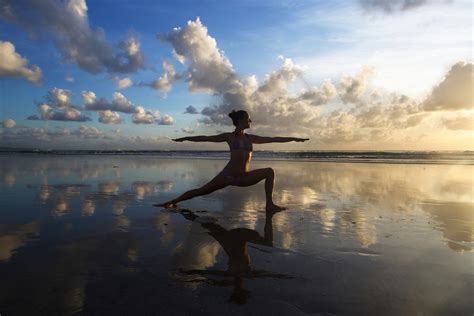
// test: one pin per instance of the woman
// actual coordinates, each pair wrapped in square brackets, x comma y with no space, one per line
[237,171]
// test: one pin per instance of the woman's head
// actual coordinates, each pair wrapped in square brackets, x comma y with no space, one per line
[240,119]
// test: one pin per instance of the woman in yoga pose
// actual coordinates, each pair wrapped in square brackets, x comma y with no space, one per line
[237,171]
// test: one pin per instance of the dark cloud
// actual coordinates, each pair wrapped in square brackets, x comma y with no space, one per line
[191,110]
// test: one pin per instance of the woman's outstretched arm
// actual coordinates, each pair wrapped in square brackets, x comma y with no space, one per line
[264,140]
[214,138]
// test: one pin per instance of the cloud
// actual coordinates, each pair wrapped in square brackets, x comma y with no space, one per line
[69,78]
[142,116]
[191,110]
[208,70]
[49,113]
[88,132]
[166,120]
[351,113]
[320,96]
[8,123]
[13,65]
[59,107]
[354,87]
[109,117]
[33,117]
[166,81]
[124,83]
[455,92]
[119,103]
[83,137]
[108,110]
[59,98]
[187,130]
[459,123]
[68,23]
[390,6]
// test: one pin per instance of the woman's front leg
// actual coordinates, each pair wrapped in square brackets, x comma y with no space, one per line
[255,176]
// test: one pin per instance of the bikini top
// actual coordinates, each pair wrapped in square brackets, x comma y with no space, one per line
[241,143]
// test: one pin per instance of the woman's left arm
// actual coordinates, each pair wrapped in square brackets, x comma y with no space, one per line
[264,140]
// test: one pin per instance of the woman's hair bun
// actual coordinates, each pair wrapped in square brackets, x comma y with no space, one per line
[231,114]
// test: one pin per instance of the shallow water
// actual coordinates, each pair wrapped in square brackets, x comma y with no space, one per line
[78,234]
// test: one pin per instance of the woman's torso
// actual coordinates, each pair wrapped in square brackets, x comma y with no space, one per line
[240,154]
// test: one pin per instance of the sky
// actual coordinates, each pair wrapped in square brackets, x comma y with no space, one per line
[349,75]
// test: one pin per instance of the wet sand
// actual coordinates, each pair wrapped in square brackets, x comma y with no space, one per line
[78,234]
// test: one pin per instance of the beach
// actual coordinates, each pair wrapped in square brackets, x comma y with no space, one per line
[78,234]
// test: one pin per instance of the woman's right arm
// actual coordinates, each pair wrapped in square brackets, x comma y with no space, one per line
[215,138]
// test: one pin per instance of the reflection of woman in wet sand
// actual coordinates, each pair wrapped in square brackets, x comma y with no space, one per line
[234,242]
[237,171]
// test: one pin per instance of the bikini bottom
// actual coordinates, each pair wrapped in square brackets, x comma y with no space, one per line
[234,180]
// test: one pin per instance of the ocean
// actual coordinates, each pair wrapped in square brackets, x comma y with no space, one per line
[394,157]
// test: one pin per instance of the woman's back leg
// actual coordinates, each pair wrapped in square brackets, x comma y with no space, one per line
[218,182]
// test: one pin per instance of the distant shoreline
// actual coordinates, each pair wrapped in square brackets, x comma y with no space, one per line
[387,157]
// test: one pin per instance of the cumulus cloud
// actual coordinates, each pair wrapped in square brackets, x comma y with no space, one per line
[69,78]
[166,120]
[124,83]
[8,123]
[83,137]
[142,116]
[354,87]
[13,64]
[59,98]
[455,92]
[459,123]
[208,70]
[108,110]
[359,112]
[390,6]
[187,130]
[320,96]
[59,107]
[109,117]
[50,113]
[89,132]
[166,81]
[119,103]
[68,23]
[191,110]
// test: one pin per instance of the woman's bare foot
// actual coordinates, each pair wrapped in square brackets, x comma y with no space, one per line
[166,205]
[274,208]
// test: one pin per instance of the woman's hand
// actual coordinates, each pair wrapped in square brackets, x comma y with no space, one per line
[300,140]
[179,139]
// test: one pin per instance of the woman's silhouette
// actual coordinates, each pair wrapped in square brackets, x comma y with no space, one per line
[234,243]
[237,171]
